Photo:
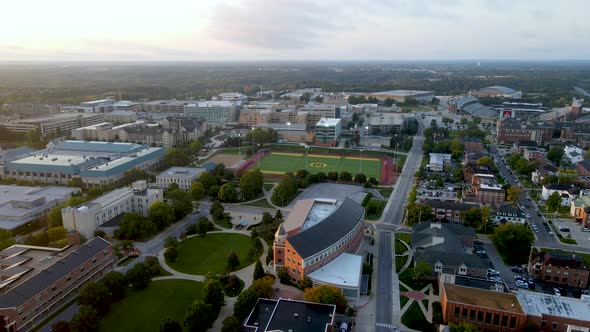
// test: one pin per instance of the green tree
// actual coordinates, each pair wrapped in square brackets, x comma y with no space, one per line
[514,193]
[140,276]
[116,283]
[360,178]
[85,320]
[554,201]
[422,269]
[182,203]
[203,226]
[208,180]
[345,176]
[198,191]
[135,227]
[550,179]
[54,218]
[333,176]
[262,287]
[232,261]
[244,304]
[286,190]
[326,295]
[60,326]
[514,242]
[213,294]
[485,161]
[171,241]
[258,271]
[417,213]
[251,184]
[171,254]
[283,275]
[228,193]
[472,217]
[95,295]
[170,324]
[199,316]
[176,157]
[231,324]
[56,233]
[463,327]
[305,283]
[161,214]
[556,154]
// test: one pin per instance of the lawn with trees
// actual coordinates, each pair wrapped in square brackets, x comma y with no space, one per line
[209,254]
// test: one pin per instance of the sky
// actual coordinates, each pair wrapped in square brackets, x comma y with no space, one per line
[253,30]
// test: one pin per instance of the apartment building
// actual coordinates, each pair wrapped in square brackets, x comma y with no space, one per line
[560,268]
[87,217]
[165,106]
[448,211]
[485,190]
[216,113]
[121,116]
[56,124]
[43,279]
[182,176]
[327,131]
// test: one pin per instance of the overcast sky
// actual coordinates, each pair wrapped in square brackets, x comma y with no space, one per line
[149,30]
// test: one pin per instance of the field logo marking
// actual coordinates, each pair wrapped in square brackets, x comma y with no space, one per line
[318,165]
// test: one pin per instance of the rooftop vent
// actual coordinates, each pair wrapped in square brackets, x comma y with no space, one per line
[296,315]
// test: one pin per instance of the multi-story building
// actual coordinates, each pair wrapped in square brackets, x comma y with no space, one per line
[315,234]
[473,144]
[327,131]
[580,209]
[87,217]
[484,189]
[31,109]
[489,310]
[121,116]
[154,136]
[233,97]
[292,132]
[20,205]
[165,106]
[583,168]
[471,168]
[126,105]
[57,124]
[99,106]
[496,91]
[560,268]
[216,113]
[386,123]
[567,193]
[44,279]
[573,153]
[402,95]
[182,176]
[446,247]
[186,128]
[438,161]
[549,312]
[508,213]
[448,211]
[531,153]
[103,131]
[290,315]
[513,130]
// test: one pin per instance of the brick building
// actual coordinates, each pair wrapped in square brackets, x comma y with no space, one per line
[448,211]
[315,233]
[47,279]
[555,313]
[485,190]
[583,168]
[560,268]
[473,144]
[470,168]
[513,130]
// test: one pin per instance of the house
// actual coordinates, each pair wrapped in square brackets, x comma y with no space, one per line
[471,168]
[438,161]
[449,247]
[573,153]
[519,146]
[543,170]
[448,211]
[580,209]
[567,193]
[561,268]
[473,144]
[583,168]
[533,153]
[508,213]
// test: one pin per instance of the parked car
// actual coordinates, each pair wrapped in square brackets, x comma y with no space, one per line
[556,292]
[516,269]
[551,233]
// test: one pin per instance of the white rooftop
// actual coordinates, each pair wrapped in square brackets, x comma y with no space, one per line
[182,172]
[52,159]
[328,122]
[319,211]
[402,92]
[123,160]
[213,103]
[536,304]
[344,271]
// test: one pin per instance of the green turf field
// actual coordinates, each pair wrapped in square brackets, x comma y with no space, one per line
[279,163]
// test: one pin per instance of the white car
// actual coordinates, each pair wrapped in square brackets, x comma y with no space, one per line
[551,233]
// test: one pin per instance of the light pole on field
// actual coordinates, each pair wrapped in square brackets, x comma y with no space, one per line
[258,155]
[306,153]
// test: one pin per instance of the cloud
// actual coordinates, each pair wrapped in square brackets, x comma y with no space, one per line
[277,24]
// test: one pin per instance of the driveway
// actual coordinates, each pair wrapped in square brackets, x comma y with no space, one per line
[505,273]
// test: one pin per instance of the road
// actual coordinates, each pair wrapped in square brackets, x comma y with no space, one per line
[392,215]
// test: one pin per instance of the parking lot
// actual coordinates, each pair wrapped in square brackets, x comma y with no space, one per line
[583,238]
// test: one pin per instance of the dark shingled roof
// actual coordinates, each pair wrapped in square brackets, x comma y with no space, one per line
[319,237]
[25,291]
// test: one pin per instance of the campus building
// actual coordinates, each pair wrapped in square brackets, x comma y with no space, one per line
[315,234]
[327,131]
[550,312]
[485,190]
[20,205]
[290,315]
[401,96]
[121,116]
[508,213]
[39,280]
[560,268]
[216,113]
[386,123]
[448,211]
[496,91]
[165,106]
[87,217]
[56,124]
[182,176]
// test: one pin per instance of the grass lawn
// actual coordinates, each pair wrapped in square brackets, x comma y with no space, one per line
[279,163]
[400,261]
[200,255]
[425,304]
[407,277]
[380,206]
[143,310]
[414,319]
[406,237]
[268,186]
[262,203]
[402,288]
[224,223]
[399,247]
[385,191]
[403,300]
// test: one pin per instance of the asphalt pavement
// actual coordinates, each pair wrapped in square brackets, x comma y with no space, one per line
[384,312]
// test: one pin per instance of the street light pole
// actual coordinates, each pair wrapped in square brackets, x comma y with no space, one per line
[258,155]
[239,146]
[306,153]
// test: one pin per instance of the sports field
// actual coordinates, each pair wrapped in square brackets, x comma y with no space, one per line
[282,162]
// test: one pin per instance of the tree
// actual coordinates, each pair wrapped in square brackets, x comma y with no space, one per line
[360,178]
[232,261]
[85,320]
[203,226]
[472,217]
[54,218]
[283,275]
[285,190]
[485,161]
[228,193]
[216,210]
[556,154]
[262,287]
[6,239]
[305,283]
[173,186]
[182,203]
[244,304]
[199,316]
[486,212]
[231,324]
[345,176]
[161,214]
[116,284]
[333,176]
[198,191]
[554,201]
[213,294]
[56,233]
[135,227]
[95,295]
[208,180]
[139,276]
[514,193]
[176,157]
[463,327]
[417,213]
[171,241]
[251,184]
[278,216]
[550,179]
[514,242]
[170,324]
[60,326]
[326,295]
[433,123]
[171,254]
[258,271]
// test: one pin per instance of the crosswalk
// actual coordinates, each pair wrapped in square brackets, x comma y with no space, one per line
[388,326]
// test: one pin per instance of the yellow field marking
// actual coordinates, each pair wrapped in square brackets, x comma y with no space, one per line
[272,172]
[361,158]
[287,154]
[322,156]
